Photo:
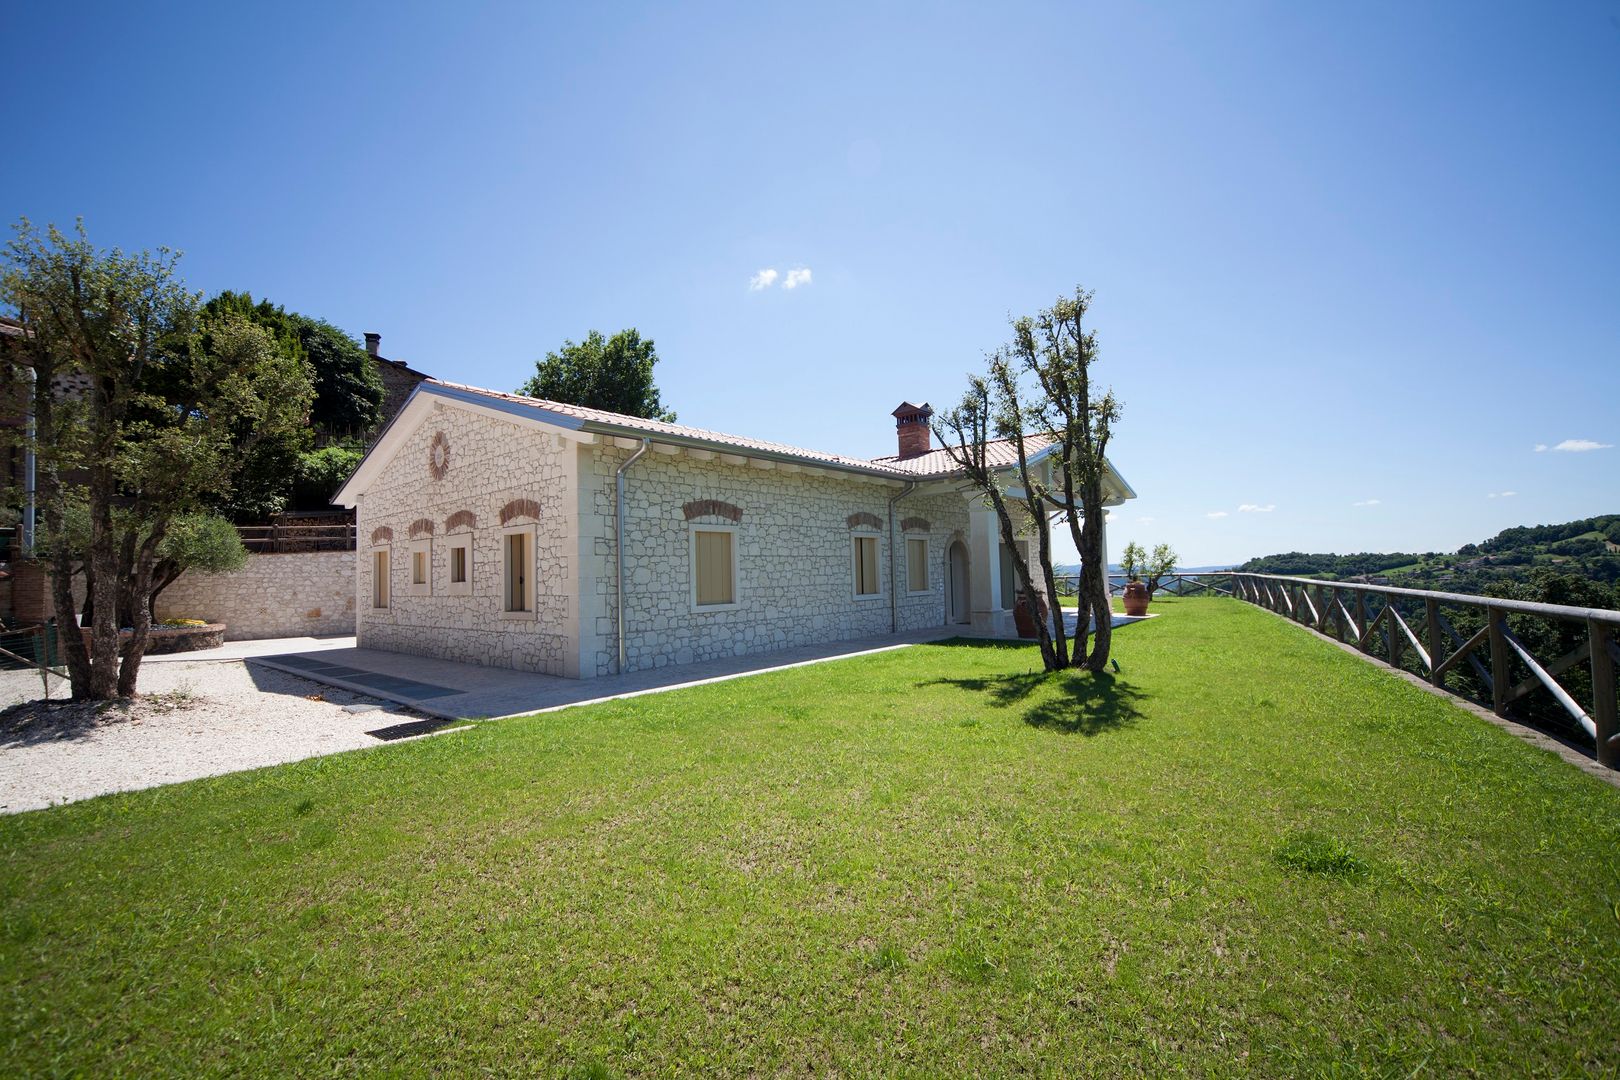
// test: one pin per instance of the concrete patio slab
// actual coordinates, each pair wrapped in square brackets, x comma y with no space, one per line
[458,691]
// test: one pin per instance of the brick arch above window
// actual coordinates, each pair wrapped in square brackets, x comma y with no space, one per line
[461,519]
[864,520]
[421,527]
[382,534]
[520,508]
[712,508]
[916,524]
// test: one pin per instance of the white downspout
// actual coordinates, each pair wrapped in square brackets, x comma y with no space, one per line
[618,545]
[894,563]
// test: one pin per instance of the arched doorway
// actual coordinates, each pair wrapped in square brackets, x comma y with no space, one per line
[958,609]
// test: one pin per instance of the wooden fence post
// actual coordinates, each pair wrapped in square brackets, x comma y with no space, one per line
[1600,636]
[1363,642]
[1431,616]
[1391,623]
[1496,621]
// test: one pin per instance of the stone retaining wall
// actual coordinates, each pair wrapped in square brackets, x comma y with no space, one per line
[298,594]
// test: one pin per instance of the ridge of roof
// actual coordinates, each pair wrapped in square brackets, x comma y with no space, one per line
[680,431]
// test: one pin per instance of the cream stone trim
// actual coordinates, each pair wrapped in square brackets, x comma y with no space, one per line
[424,549]
[452,542]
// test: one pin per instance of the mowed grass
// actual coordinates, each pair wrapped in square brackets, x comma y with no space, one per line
[1246,853]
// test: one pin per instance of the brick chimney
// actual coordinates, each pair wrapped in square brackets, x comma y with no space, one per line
[373,343]
[911,423]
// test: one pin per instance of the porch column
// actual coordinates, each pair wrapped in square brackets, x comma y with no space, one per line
[984,561]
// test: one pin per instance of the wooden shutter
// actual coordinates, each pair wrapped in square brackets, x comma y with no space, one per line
[917,564]
[714,568]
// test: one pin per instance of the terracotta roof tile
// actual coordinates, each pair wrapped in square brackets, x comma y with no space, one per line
[659,427]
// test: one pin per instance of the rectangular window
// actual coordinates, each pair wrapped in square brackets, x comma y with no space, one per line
[421,567]
[866,566]
[518,586]
[458,564]
[714,567]
[917,565]
[379,578]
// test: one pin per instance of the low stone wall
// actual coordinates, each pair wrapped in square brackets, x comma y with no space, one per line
[298,594]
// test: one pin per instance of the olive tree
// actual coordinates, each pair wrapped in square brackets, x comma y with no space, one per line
[1038,396]
[141,413]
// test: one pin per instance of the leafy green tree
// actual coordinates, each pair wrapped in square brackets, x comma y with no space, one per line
[614,374]
[321,472]
[1039,386]
[139,416]
[348,391]
[200,544]
[1160,563]
[1132,560]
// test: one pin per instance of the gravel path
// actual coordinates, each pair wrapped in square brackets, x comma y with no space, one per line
[192,720]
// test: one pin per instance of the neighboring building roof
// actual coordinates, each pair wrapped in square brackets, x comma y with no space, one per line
[935,465]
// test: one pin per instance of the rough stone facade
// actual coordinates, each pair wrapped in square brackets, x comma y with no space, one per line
[281,595]
[794,552]
[489,465]
[471,473]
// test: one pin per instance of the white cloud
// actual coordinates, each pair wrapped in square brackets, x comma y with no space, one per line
[1501,494]
[797,277]
[762,280]
[1252,508]
[1214,514]
[1367,502]
[1574,446]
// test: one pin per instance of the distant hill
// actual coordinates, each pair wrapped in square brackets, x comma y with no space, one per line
[1588,549]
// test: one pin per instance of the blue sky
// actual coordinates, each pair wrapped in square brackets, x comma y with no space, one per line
[1353,263]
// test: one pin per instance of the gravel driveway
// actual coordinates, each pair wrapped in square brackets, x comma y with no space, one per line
[192,720]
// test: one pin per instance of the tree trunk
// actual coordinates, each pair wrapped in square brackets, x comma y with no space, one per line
[1094,573]
[140,602]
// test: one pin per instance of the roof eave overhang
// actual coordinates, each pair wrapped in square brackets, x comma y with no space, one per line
[424,394]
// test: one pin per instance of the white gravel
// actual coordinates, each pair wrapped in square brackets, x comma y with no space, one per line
[193,720]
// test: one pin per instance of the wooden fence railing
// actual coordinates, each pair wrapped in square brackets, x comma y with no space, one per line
[1538,662]
[1206,584]
[268,539]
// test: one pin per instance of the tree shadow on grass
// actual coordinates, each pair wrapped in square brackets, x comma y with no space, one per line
[1074,702]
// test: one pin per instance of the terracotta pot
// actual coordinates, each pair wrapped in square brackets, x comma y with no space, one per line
[1024,620]
[1136,598]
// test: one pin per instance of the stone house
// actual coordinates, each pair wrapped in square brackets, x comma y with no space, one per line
[514,532]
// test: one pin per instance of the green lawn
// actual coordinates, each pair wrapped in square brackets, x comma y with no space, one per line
[1246,853]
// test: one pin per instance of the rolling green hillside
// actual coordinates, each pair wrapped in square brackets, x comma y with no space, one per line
[1588,549]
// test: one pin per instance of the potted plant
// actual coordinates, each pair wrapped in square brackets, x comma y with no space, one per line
[1136,593]
[1025,615]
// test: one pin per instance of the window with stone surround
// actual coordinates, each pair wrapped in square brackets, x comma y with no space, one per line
[714,567]
[864,548]
[916,565]
[421,567]
[517,572]
[459,564]
[379,578]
